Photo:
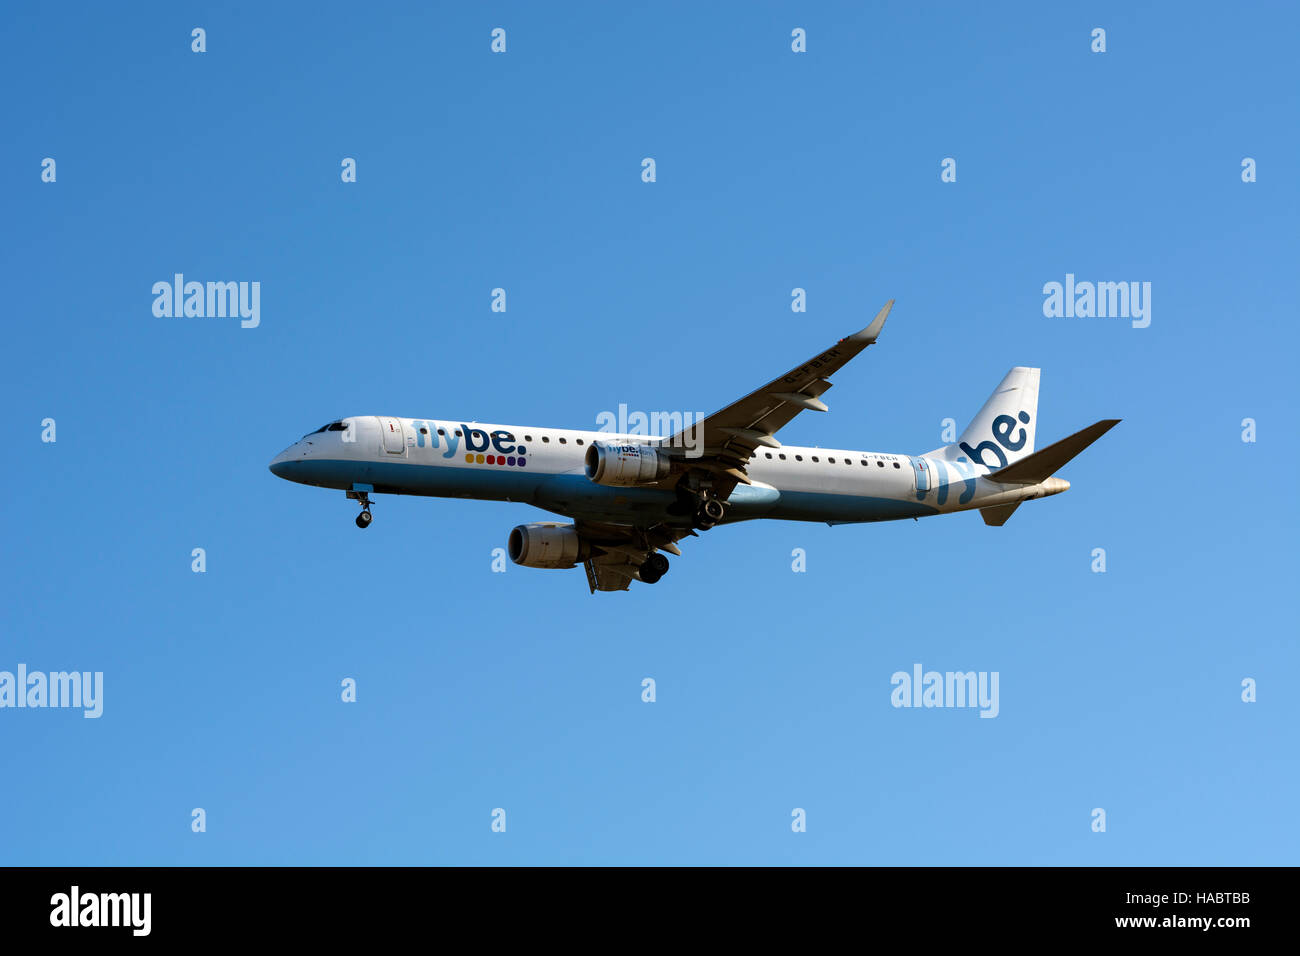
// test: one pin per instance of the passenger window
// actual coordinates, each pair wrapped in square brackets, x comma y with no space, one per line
[896,465]
[831,460]
[865,463]
[816,459]
[782,457]
[798,457]
[546,438]
[441,432]
[579,441]
[562,441]
[768,453]
[881,464]
[423,430]
[528,438]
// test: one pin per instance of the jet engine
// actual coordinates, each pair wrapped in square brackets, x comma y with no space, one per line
[626,465]
[547,544]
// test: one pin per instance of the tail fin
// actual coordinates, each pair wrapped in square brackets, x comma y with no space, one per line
[1003,431]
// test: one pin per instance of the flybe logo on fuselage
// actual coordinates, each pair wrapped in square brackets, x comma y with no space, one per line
[1003,426]
[500,444]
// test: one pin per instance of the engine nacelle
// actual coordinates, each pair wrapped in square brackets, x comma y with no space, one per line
[626,465]
[547,545]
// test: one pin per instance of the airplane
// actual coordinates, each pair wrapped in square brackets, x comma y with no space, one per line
[631,497]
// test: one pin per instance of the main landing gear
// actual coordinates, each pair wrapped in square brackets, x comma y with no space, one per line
[709,512]
[363,519]
[654,568]
[705,508]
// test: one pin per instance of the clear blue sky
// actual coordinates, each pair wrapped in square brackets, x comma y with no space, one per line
[520,690]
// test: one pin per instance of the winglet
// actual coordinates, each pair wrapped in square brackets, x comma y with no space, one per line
[868,335]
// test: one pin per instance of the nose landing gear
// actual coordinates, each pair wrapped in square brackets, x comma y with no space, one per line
[363,519]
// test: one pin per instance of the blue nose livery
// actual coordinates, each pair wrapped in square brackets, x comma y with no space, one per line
[631,498]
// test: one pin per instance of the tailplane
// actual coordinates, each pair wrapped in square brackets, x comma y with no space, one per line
[1040,469]
[1043,464]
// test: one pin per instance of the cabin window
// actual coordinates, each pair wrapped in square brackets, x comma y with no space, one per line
[441,432]
[865,463]
[768,454]
[831,460]
[896,465]
[546,438]
[782,457]
[881,464]
[798,457]
[457,432]
[528,438]
[423,430]
[816,459]
[562,441]
[579,441]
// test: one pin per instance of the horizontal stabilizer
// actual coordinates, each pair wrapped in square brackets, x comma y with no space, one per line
[997,515]
[1043,464]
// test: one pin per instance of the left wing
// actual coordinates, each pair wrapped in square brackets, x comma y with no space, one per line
[733,433]
[622,549]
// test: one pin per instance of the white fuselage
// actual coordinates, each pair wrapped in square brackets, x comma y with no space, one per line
[545,467]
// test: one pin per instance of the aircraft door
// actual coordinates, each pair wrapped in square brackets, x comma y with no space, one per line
[394,435]
[921,471]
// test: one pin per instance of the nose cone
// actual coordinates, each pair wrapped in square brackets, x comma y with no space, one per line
[282,465]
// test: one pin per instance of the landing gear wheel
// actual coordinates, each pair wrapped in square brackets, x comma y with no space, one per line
[363,519]
[709,513]
[653,569]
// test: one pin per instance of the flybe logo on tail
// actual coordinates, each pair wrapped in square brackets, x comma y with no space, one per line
[1003,427]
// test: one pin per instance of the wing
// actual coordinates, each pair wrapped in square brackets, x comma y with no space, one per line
[726,440]
[622,549]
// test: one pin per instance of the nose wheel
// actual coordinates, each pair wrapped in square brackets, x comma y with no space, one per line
[363,519]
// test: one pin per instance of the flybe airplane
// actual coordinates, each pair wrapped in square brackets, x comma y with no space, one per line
[630,498]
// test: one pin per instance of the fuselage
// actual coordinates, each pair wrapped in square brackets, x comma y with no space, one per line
[545,467]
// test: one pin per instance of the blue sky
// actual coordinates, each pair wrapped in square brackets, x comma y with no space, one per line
[775,170]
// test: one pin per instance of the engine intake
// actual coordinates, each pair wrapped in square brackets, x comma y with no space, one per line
[626,465]
[547,544]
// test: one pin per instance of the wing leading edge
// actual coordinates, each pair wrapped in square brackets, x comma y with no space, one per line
[736,431]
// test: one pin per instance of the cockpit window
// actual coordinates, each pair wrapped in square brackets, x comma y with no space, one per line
[332,426]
